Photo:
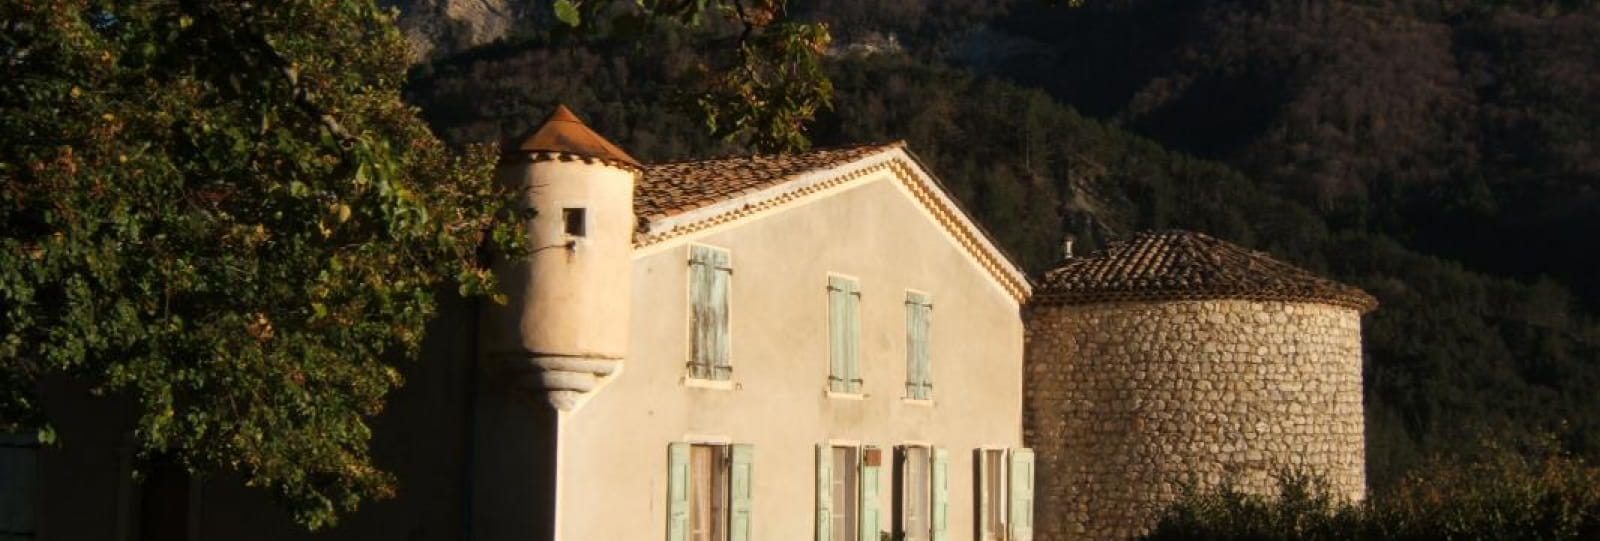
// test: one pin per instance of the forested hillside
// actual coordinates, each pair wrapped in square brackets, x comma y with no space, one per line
[1443,158]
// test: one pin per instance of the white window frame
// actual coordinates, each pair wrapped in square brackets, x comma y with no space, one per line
[902,485]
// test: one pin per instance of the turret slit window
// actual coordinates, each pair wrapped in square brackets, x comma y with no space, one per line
[575,222]
[844,335]
[710,274]
[919,374]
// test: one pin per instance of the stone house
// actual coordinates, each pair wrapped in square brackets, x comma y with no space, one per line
[819,346]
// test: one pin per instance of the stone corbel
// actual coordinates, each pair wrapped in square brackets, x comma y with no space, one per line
[562,378]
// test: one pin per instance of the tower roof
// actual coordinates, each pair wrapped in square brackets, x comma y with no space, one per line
[1183,265]
[563,133]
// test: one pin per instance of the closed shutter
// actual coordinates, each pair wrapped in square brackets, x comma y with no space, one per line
[742,478]
[709,278]
[870,509]
[824,493]
[18,485]
[941,494]
[919,374]
[1021,494]
[678,492]
[844,335]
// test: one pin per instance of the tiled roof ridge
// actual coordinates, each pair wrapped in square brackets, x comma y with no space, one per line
[1184,265]
[780,155]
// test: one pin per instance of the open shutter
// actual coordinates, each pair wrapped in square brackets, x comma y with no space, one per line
[18,484]
[870,509]
[824,493]
[677,492]
[852,317]
[721,269]
[742,479]
[837,379]
[919,379]
[941,494]
[708,296]
[1021,494]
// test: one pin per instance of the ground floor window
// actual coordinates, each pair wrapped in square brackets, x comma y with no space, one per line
[847,493]
[914,493]
[1005,494]
[709,492]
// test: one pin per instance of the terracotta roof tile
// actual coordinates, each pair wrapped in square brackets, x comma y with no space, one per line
[673,188]
[562,132]
[1182,265]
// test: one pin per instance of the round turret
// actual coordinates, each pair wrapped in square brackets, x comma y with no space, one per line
[565,326]
[1175,359]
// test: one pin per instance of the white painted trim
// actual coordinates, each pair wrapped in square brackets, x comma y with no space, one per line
[917,402]
[843,396]
[707,439]
[713,384]
[835,442]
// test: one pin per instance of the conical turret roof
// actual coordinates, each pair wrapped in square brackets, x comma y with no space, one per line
[563,133]
[1183,265]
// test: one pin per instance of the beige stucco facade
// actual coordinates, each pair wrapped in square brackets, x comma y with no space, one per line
[613,447]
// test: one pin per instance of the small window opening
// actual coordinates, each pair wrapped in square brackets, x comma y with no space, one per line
[576,225]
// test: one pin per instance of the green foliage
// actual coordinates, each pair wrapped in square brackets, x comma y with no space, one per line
[1495,492]
[226,215]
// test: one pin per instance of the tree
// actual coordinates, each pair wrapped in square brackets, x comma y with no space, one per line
[224,213]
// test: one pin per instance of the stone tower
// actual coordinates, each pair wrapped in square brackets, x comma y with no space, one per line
[564,329]
[1173,358]
[566,325]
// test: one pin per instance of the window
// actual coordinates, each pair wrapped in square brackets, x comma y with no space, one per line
[19,456]
[919,375]
[709,276]
[847,493]
[922,495]
[1005,499]
[844,335]
[574,221]
[709,492]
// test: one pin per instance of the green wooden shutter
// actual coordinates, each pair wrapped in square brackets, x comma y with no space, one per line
[941,494]
[1021,494]
[677,492]
[708,294]
[852,317]
[824,493]
[742,478]
[919,376]
[870,510]
[840,309]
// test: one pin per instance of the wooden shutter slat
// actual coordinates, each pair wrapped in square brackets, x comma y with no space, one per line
[742,479]
[941,494]
[677,491]
[870,510]
[1021,503]
[824,493]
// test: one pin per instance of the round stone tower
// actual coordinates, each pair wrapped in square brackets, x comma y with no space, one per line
[566,324]
[1173,359]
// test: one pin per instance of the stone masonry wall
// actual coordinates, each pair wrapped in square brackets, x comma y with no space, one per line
[1127,402]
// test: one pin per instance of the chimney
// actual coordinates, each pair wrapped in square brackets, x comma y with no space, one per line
[1066,246]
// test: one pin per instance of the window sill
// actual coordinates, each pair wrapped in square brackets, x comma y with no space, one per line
[714,384]
[925,402]
[844,395]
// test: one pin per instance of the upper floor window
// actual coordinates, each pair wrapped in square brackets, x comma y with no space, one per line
[844,335]
[710,271]
[919,374]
